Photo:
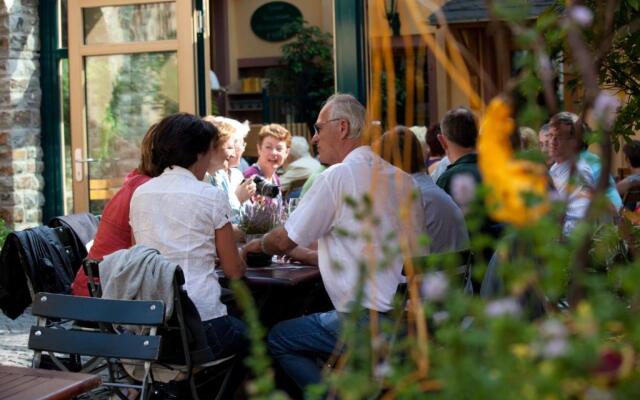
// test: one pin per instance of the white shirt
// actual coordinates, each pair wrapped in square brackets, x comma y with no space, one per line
[178,215]
[577,195]
[324,215]
[235,179]
[440,168]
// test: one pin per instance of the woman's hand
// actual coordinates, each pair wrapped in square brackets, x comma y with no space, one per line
[245,190]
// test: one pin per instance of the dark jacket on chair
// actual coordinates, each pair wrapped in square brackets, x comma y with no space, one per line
[38,253]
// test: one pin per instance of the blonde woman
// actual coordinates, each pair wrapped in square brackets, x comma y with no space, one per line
[224,156]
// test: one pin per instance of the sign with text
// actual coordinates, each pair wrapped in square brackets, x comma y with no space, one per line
[269,19]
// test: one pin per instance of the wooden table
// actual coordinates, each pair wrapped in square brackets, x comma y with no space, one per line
[283,291]
[20,383]
[277,274]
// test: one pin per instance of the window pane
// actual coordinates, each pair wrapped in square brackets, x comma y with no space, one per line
[62,24]
[66,136]
[132,23]
[125,95]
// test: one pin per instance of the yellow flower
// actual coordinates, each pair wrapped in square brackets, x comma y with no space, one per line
[517,188]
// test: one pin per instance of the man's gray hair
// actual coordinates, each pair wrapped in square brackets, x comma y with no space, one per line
[565,118]
[347,107]
[299,148]
[544,128]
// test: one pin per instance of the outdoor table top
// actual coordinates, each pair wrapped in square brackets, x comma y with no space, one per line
[19,383]
[279,274]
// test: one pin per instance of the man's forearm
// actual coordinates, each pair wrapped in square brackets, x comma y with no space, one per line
[277,242]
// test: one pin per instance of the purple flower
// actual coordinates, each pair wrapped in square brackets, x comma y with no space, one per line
[463,190]
[434,286]
[439,317]
[503,307]
[604,109]
[553,328]
[256,218]
[554,348]
[382,370]
[581,15]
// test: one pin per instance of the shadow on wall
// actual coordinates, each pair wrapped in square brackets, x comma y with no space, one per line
[21,164]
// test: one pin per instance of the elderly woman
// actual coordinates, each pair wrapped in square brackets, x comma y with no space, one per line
[187,221]
[274,142]
[220,171]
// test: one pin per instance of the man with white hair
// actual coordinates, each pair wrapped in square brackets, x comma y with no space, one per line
[347,239]
[574,183]
[300,165]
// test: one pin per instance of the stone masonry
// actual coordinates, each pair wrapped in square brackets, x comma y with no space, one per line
[21,165]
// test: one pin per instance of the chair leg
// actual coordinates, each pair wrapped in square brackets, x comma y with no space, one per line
[225,380]
[145,391]
[193,387]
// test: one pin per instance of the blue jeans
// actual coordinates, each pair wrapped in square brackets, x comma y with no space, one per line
[226,336]
[296,344]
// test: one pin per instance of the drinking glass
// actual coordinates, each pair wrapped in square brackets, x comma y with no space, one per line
[293,203]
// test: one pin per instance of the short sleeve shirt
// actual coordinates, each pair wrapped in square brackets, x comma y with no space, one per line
[325,214]
[114,232]
[178,215]
[577,195]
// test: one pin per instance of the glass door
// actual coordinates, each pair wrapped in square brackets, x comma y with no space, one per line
[130,64]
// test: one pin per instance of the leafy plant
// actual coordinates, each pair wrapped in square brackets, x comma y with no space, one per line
[4,231]
[562,321]
[260,217]
[307,70]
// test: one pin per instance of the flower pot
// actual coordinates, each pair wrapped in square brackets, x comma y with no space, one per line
[257,260]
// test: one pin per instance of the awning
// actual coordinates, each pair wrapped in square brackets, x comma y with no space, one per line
[465,11]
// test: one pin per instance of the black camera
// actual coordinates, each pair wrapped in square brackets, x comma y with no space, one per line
[264,188]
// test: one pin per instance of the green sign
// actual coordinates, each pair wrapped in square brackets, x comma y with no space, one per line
[267,21]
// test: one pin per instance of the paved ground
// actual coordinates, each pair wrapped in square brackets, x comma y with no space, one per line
[13,340]
[14,335]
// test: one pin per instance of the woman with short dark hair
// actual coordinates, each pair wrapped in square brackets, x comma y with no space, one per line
[187,221]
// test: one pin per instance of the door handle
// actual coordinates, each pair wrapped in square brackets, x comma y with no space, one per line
[80,164]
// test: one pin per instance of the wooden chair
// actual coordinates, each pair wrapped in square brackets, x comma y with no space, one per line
[54,334]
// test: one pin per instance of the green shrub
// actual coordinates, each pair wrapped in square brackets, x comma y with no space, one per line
[4,231]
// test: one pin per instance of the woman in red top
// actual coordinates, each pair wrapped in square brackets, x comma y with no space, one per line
[114,231]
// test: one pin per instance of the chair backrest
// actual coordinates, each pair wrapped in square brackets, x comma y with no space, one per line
[52,338]
[90,267]
[185,341]
[58,332]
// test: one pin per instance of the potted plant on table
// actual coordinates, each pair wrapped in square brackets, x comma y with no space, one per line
[256,219]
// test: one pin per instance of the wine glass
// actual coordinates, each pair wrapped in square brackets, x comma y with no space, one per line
[293,203]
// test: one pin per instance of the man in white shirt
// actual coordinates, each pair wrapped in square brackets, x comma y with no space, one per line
[576,186]
[327,214]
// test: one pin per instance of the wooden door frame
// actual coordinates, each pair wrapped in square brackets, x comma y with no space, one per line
[184,46]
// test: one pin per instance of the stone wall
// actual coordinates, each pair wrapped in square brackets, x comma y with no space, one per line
[21,165]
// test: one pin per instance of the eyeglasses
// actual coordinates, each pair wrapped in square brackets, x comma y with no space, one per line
[318,125]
